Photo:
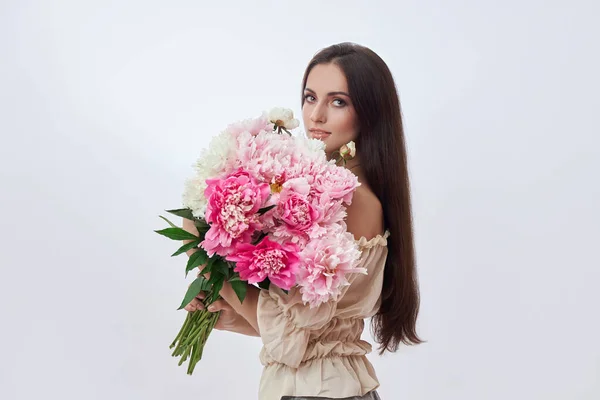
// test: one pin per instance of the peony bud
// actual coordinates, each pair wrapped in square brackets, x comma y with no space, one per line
[348,151]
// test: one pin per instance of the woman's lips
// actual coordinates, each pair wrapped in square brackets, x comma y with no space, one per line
[319,134]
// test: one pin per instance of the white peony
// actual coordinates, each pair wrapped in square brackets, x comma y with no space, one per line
[193,196]
[315,145]
[213,161]
[283,117]
[312,149]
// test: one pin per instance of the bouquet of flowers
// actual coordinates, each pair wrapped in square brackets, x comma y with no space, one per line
[269,208]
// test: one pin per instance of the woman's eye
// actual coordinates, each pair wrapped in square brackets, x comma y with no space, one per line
[309,98]
[339,102]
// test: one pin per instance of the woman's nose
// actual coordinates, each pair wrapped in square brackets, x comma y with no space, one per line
[318,114]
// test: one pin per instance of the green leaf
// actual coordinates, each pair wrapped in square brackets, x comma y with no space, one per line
[206,285]
[235,278]
[240,288]
[177,234]
[266,209]
[183,213]
[215,276]
[201,225]
[221,267]
[205,270]
[186,247]
[195,260]
[209,264]
[193,290]
[216,288]
[216,281]
[169,222]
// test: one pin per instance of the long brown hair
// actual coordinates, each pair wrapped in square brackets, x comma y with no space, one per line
[383,159]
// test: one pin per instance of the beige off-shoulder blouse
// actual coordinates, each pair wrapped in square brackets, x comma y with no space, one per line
[319,351]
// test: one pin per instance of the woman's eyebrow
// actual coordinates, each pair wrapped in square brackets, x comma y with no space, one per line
[330,93]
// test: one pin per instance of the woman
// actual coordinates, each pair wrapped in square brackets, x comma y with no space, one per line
[348,95]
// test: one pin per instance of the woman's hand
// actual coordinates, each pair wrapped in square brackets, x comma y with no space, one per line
[196,304]
[229,320]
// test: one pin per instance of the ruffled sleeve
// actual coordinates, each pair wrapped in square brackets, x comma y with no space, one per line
[379,240]
[286,323]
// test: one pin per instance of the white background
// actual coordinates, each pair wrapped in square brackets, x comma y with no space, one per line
[105,105]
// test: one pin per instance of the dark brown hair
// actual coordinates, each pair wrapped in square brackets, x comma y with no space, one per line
[383,159]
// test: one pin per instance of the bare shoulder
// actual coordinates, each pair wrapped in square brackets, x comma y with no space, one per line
[365,214]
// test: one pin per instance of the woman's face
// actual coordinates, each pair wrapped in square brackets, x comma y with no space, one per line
[328,112]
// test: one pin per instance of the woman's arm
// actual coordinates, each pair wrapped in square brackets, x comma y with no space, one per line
[248,308]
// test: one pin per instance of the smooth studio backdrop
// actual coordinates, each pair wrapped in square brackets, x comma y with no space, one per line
[105,105]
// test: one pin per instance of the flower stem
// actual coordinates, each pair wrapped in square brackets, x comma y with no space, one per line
[183,329]
[190,341]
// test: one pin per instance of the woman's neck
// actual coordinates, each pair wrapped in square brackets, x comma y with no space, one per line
[353,164]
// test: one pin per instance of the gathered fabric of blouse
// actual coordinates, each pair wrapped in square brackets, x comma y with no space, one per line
[319,351]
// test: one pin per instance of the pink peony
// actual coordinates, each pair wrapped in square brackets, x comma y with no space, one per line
[268,259]
[233,203]
[332,211]
[252,125]
[296,217]
[339,183]
[326,263]
[262,155]
[296,213]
